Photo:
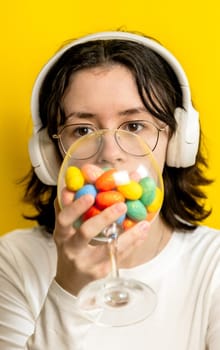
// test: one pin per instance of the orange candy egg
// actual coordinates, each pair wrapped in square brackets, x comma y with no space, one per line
[128,223]
[106,181]
[107,198]
[150,216]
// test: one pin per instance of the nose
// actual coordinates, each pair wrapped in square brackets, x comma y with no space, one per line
[110,153]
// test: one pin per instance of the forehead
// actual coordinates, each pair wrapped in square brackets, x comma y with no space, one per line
[101,86]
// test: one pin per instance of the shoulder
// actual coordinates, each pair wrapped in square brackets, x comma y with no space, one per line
[23,237]
[203,242]
[201,237]
[27,267]
[28,247]
[201,253]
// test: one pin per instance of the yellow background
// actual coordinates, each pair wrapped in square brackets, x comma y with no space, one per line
[31,31]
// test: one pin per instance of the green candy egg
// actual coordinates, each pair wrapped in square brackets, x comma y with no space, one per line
[77,223]
[136,210]
[149,190]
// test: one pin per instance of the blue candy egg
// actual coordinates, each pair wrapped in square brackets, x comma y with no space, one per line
[87,189]
[120,220]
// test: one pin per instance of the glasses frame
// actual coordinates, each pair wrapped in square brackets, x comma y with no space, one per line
[58,136]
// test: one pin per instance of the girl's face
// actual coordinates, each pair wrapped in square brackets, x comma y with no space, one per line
[106,98]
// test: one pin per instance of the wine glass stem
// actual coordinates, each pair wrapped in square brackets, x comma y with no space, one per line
[111,232]
[112,244]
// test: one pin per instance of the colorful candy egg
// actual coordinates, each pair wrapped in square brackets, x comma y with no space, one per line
[93,211]
[74,178]
[149,190]
[77,223]
[86,189]
[107,198]
[136,210]
[91,172]
[150,216]
[106,181]
[157,202]
[128,223]
[132,190]
[121,219]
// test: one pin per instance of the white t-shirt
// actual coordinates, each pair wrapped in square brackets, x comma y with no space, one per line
[37,314]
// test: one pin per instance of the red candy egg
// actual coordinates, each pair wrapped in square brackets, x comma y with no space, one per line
[91,212]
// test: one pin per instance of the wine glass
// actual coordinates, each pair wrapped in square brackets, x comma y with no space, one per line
[114,166]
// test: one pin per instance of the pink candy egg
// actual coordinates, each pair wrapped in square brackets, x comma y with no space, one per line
[91,172]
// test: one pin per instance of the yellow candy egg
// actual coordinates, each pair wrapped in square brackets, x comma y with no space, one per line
[156,204]
[74,178]
[131,191]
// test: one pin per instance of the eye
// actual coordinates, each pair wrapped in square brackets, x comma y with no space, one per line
[133,126]
[83,130]
[75,131]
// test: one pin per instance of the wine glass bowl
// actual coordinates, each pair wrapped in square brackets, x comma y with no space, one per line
[114,166]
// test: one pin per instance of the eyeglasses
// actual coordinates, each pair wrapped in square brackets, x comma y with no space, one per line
[147,130]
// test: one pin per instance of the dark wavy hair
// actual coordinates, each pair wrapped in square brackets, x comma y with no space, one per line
[184,201]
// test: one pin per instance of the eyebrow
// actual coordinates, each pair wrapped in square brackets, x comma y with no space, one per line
[80,115]
[132,111]
[129,111]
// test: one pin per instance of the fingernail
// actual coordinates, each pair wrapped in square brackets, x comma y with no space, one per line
[142,228]
[119,207]
[88,199]
[143,225]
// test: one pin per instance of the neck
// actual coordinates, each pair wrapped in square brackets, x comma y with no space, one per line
[158,237]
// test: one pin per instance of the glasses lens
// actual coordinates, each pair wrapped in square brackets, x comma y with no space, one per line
[144,129]
[87,146]
[131,144]
[73,132]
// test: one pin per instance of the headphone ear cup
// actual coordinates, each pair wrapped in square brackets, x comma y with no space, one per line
[184,143]
[44,158]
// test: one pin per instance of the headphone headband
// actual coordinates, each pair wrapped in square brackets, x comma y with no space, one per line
[112,35]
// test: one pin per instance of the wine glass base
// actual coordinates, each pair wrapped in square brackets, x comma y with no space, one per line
[116,302]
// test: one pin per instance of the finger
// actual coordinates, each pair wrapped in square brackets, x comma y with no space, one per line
[66,197]
[93,226]
[131,238]
[65,218]
[56,206]
[73,211]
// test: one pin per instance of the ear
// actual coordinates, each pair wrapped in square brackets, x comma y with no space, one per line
[44,158]
[183,145]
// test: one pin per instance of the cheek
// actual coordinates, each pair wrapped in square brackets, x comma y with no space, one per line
[160,152]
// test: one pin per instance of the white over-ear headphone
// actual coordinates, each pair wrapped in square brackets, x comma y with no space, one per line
[183,145]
